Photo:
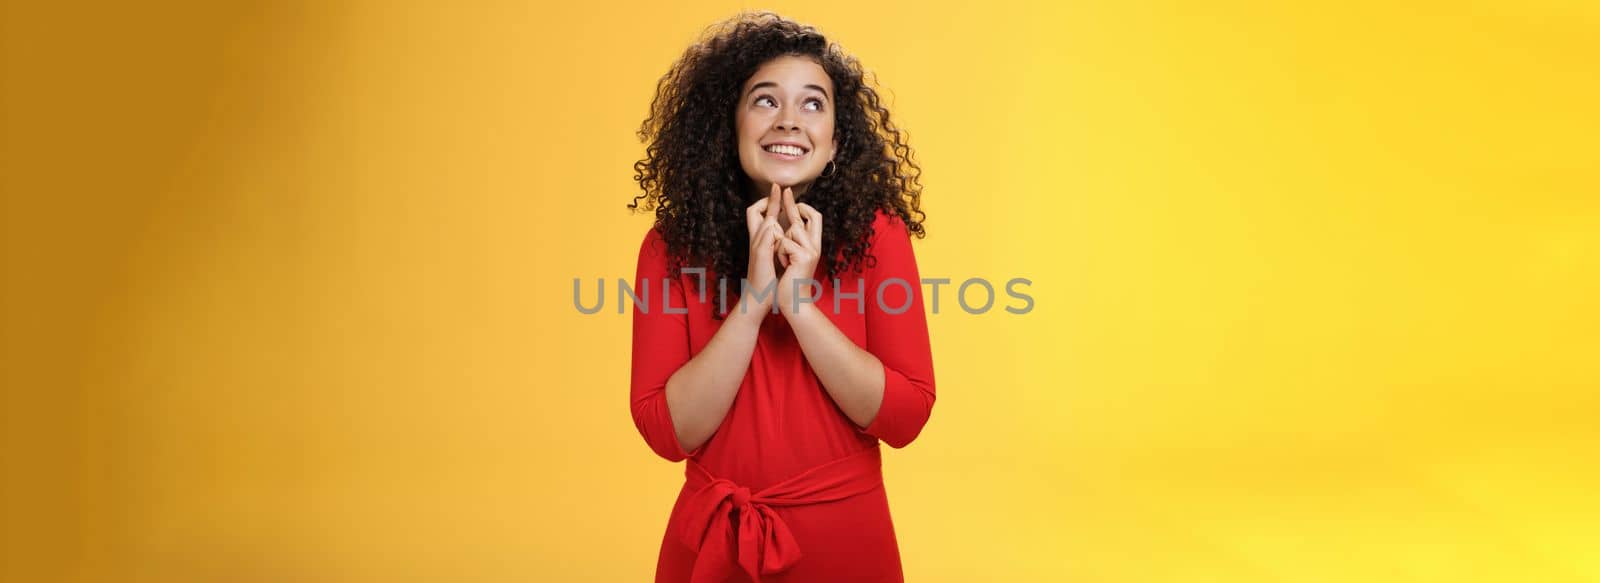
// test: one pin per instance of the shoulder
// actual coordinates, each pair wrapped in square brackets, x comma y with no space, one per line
[887,227]
[889,249]
[653,243]
[653,249]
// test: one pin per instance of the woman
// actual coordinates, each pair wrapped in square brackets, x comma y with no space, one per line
[791,338]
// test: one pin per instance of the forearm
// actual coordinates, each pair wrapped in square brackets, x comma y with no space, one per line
[701,391]
[851,375]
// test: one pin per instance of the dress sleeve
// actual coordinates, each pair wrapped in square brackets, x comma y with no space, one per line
[898,338]
[660,348]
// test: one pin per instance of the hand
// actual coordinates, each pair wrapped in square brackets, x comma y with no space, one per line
[761,220]
[799,249]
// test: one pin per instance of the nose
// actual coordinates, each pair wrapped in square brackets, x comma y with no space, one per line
[785,124]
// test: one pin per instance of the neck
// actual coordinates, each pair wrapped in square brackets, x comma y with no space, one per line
[760,190]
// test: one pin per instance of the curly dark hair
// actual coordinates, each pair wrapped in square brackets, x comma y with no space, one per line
[691,175]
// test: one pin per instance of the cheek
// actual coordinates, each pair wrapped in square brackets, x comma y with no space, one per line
[823,133]
[741,130]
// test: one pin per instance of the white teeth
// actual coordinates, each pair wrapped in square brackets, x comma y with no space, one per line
[786,149]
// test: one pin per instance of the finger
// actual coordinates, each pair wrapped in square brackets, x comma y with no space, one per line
[774,200]
[774,244]
[769,208]
[774,235]
[797,232]
[813,222]
[792,247]
[753,215]
[789,209]
[762,241]
[771,223]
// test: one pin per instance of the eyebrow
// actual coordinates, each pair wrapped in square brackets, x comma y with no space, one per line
[762,84]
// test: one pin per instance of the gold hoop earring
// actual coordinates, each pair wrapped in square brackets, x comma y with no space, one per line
[829,170]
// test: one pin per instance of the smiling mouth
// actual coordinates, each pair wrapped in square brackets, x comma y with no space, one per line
[785,150]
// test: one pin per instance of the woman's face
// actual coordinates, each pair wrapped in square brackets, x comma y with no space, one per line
[785,124]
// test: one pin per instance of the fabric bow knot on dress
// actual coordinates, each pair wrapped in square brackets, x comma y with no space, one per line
[761,541]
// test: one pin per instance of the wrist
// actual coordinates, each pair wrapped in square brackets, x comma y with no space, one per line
[796,307]
[748,311]
[797,294]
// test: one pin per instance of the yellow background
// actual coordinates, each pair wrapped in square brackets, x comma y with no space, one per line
[288,289]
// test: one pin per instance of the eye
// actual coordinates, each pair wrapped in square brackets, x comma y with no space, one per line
[813,104]
[767,100]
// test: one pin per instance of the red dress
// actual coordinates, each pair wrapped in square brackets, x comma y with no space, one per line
[788,488]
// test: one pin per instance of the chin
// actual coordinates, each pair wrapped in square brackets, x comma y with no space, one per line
[789,178]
